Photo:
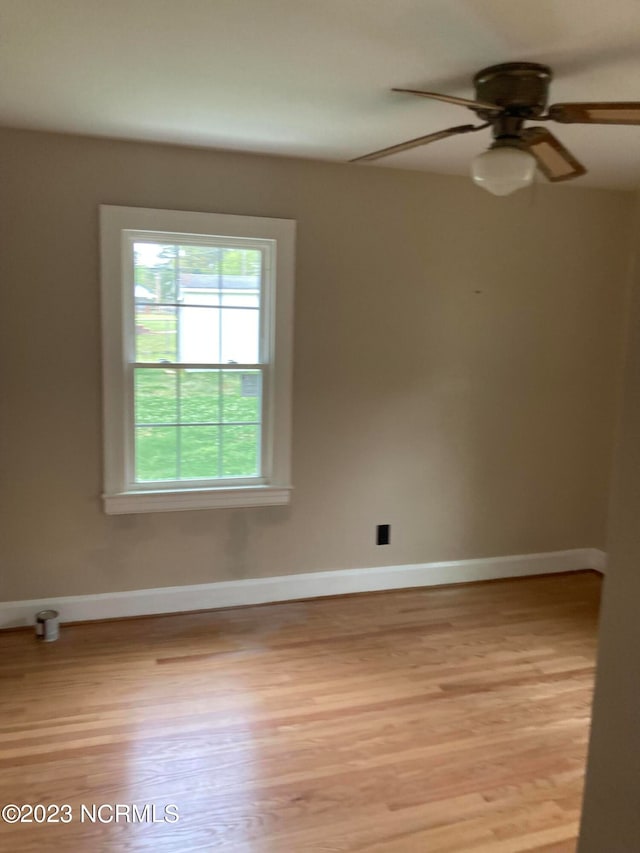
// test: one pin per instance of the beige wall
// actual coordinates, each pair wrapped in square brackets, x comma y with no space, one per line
[455,367]
[611,817]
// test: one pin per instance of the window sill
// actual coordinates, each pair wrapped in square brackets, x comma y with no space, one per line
[124,503]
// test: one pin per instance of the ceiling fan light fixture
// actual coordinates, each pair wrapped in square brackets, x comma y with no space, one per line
[503,170]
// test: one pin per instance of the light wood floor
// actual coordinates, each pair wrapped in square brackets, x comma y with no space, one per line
[432,720]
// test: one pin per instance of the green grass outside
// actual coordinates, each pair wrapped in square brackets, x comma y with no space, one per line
[191,399]
[156,333]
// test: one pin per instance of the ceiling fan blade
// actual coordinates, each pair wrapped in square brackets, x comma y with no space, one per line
[623,112]
[452,99]
[420,140]
[554,160]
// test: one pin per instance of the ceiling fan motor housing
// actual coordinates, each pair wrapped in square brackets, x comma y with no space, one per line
[521,88]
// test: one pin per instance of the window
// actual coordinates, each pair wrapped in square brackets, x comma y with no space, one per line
[197,334]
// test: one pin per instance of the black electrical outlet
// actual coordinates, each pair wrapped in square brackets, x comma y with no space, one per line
[383,534]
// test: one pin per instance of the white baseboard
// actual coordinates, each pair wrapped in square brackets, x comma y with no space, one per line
[599,561]
[178,599]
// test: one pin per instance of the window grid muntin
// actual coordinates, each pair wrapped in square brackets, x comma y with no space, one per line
[265,307]
[239,480]
[197,305]
[175,306]
[222,423]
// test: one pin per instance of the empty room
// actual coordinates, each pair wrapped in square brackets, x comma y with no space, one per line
[319,426]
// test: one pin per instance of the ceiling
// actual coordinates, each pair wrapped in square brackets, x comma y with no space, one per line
[311,78]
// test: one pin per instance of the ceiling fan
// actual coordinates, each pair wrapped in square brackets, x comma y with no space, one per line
[507,96]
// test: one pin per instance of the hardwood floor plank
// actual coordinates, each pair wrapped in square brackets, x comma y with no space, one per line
[443,720]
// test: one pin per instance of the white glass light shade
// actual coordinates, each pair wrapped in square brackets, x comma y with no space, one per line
[503,170]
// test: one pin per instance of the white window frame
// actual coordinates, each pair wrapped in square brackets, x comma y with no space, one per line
[119,226]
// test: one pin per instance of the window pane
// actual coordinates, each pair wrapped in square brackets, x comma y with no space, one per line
[199,335]
[242,262]
[197,304]
[242,269]
[154,272]
[240,299]
[240,451]
[196,259]
[199,396]
[200,275]
[155,333]
[156,453]
[207,273]
[241,395]
[198,292]
[199,452]
[206,288]
[155,396]
[240,336]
